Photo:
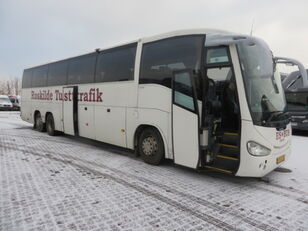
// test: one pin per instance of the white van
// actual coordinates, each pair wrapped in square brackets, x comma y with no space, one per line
[5,103]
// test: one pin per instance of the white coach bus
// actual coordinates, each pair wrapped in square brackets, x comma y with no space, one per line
[205,99]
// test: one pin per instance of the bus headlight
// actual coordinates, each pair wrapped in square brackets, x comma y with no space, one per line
[256,149]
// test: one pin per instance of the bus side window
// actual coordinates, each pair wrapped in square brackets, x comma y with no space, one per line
[218,64]
[217,55]
[57,74]
[39,78]
[27,78]
[116,64]
[160,58]
[81,69]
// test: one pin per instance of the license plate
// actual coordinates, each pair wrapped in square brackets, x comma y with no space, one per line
[293,123]
[280,159]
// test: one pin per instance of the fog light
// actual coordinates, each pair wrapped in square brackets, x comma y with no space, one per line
[256,149]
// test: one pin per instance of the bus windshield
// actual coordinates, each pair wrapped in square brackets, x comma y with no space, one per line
[262,80]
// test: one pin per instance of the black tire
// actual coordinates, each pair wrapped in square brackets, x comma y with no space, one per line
[151,146]
[50,125]
[38,123]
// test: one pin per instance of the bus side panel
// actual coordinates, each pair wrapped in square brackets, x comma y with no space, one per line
[110,114]
[86,107]
[147,116]
[111,120]
[86,120]
[41,106]
[26,105]
[154,96]
[154,108]
[54,106]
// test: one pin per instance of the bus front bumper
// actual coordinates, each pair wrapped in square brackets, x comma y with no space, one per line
[259,166]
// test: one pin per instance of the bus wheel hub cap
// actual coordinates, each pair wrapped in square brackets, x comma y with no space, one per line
[149,146]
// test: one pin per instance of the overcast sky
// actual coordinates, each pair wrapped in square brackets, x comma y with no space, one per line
[38,31]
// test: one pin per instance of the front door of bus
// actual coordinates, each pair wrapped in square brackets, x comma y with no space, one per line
[185,120]
[70,109]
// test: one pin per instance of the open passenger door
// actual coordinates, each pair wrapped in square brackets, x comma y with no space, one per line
[185,120]
[70,110]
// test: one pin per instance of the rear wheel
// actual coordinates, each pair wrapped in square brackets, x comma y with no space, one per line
[50,125]
[38,123]
[151,146]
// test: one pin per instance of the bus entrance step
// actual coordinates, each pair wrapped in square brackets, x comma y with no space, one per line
[230,138]
[218,169]
[226,162]
[227,157]
[229,150]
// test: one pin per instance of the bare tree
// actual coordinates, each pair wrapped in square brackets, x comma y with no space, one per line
[10,87]
[16,86]
[2,88]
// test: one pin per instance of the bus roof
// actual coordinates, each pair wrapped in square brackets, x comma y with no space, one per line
[149,39]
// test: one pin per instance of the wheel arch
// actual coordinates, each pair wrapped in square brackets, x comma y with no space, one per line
[36,112]
[47,113]
[140,128]
[34,117]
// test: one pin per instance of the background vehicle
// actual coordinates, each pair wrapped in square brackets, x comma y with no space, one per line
[296,90]
[5,103]
[15,100]
[297,100]
[206,99]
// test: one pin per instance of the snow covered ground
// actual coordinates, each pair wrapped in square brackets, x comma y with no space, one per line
[68,183]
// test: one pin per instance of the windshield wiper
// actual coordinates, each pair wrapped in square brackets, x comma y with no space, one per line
[277,114]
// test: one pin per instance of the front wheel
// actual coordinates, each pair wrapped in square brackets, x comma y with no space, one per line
[151,146]
[50,125]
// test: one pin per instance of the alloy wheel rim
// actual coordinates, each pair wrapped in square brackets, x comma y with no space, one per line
[149,146]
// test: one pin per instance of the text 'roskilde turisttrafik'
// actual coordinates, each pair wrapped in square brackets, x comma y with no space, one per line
[93,95]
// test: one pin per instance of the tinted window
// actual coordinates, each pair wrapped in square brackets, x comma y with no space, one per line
[297,101]
[183,90]
[297,83]
[27,78]
[81,69]
[57,74]
[160,59]
[116,64]
[39,78]
[217,55]
[290,78]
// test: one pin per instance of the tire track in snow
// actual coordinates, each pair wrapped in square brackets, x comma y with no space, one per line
[204,217]
[192,198]
[73,143]
[85,145]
